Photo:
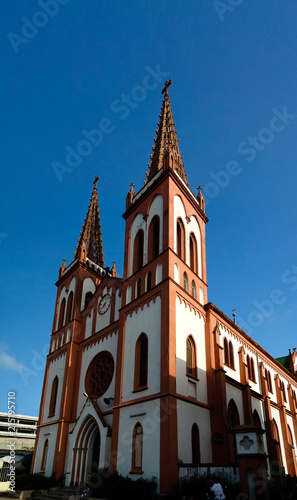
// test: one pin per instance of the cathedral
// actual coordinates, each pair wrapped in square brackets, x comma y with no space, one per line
[144,375]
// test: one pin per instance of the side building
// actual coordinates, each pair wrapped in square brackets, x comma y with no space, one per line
[144,375]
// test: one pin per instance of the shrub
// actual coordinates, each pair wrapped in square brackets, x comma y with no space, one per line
[115,486]
[34,482]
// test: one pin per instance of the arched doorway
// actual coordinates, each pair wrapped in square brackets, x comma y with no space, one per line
[86,454]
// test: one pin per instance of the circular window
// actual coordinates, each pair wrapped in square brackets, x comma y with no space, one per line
[99,374]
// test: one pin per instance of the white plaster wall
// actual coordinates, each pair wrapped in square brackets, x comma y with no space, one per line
[235,394]
[189,323]
[57,367]
[89,323]
[201,298]
[49,432]
[118,304]
[187,415]
[176,273]
[107,344]
[88,286]
[159,270]
[147,320]
[139,223]
[103,320]
[150,421]
[291,425]
[128,294]
[190,227]
[235,374]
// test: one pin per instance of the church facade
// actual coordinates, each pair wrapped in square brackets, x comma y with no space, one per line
[144,375]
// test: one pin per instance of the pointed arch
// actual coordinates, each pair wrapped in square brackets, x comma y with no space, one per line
[194,292]
[195,444]
[44,457]
[154,238]
[138,288]
[226,351]
[193,253]
[268,380]
[69,308]
[180,239]
[138,251]
[148,281]
[88,298]
[231,355]
[276,442]
[186,282]
[191,358]
[233,414]
[256,419]
[53,400]
[62,313]
[141,363]
[137,448]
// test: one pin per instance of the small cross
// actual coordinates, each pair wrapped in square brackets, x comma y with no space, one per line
[165,90]
[132,185]
[199,189]
[64,260]
[95,181]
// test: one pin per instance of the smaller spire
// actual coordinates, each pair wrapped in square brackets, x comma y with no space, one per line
[62,269]
[201,199]
[130,196]
[114,270]
[90,240]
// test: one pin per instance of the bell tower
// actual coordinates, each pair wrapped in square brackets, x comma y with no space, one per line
[164,262]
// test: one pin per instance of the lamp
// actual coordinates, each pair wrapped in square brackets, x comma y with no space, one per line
[107,401]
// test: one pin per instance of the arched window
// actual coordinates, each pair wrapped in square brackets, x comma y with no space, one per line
[233,414]
[194,294]
[61,314]
[53,400]
[195,445]
[231,355]
[248,362]
[186,281]
[69,308]
[191,357]
[253,377]
[148,281]
[138,288]
[88,298]
[154,238]
[290,437]
[226,352]
[137,448]
[275,438]
[268,379]
[138,251]
[282,388]
[256,419]
[193,253]
[44,457]
[180,239]
[141,363]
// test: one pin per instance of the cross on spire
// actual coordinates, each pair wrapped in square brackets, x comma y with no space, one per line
[95,182]
[165,89]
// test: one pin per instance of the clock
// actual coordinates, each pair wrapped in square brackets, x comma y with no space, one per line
[104,304]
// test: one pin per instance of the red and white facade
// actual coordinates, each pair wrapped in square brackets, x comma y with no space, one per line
[144,375]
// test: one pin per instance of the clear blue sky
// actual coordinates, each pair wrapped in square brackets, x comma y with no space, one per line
[234,101]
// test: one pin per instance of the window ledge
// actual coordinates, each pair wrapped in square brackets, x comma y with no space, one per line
[193,377]
[141,388]
[136,471]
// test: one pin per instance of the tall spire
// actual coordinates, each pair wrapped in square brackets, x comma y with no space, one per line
[166,142]
[90,240]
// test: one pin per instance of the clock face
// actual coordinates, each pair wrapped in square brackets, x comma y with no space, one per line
[104,303]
